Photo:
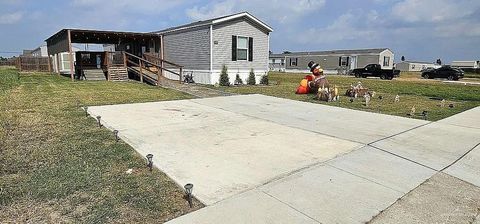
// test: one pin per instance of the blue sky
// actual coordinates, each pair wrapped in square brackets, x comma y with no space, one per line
[418,29]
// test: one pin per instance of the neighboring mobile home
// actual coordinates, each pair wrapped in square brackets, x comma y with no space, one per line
[466,64]
[335,61]
[239,41]
[414,66]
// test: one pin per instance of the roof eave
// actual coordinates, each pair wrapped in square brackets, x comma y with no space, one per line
[268,28]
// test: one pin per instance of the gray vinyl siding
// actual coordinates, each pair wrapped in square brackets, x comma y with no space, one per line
[190,48]
[364,60]
[403,66]
[222,52]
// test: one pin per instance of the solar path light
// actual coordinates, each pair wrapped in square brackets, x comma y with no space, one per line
[115,132]
[188,191]
[150,161]
[98,120]
[425,115]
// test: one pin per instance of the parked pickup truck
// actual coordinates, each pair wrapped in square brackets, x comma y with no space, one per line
[375,70]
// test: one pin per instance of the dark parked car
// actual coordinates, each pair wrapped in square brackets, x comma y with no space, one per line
[375,70]
[443,72]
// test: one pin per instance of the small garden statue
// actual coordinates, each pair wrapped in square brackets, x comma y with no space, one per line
[397,98]
[367,99]
[442,103]
[412,111]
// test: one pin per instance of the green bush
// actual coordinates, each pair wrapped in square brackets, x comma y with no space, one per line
[251,78]
[238,80]
[224,80]
[264,80]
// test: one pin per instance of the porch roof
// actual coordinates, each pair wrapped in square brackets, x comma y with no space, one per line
[61,41]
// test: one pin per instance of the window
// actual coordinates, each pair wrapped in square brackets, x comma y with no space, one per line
[242,48]
[413,66]
[293,61]
[282,61]
[343,61]
[386,61]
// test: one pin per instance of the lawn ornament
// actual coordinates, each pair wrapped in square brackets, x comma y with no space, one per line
[313,82]
[357,91]
[442,103]
[412,111]
[367,99]
[397,99]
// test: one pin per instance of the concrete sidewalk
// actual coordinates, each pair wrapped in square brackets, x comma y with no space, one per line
[260,159]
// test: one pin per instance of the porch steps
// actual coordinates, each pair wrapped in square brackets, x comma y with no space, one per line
[94,74]
[118,73]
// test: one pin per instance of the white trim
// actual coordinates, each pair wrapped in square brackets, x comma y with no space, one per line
[214,22]
[241,15]
[268,47]
[211,47]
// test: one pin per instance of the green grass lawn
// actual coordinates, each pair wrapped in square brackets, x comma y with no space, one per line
[56,165]
[412,92]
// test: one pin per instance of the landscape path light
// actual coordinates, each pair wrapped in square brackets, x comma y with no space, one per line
[150,161]
[98,120]
[115,132]
[425,115]
[188,191]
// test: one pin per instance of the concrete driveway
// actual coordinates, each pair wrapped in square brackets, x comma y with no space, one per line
[260,159]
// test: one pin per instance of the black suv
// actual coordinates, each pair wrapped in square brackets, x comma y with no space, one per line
[443,72]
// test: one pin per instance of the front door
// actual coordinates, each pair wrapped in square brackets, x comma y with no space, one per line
[353,62]
[99,60]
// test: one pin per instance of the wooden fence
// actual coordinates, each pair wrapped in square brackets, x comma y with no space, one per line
[8,63]
[34,64]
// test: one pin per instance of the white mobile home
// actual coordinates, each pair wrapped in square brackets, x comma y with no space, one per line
[466,64]
[239,41]
[414,66]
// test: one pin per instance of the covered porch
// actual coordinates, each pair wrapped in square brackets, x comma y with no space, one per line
[116,45]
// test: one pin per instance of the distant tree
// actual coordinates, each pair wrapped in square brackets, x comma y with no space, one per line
[403,58]
[439,62]
[287,52]
[224,80]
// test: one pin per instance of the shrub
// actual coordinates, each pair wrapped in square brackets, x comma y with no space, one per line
[238,80]
[264,80]
[224,80]
[251,78]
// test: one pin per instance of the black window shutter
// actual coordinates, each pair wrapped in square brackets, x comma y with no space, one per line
[348,61]
[234,48]
[250,49]
[339,61]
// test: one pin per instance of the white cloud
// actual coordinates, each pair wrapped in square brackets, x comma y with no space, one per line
[11,18]
[211,11]
[345,28]
[274,10]
[434,10]
[137,6]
